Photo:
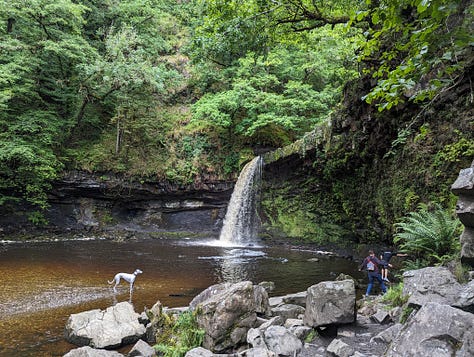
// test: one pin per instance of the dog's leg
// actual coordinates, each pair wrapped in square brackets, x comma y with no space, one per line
[132,281]
[117,281]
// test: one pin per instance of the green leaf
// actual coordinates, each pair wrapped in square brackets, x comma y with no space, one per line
[423,6]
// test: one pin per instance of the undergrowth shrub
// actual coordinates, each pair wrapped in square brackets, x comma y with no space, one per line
[394,296]
[179,335]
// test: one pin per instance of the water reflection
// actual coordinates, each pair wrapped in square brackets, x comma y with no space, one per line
[239,264]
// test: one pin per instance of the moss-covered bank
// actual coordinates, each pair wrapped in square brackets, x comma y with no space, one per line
[359,173]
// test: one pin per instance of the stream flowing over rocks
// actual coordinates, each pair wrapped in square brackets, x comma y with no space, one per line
[240,320]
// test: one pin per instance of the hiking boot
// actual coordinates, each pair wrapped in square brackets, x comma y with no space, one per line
[386,280]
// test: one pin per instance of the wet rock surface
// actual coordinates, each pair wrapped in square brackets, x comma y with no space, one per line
[83,202]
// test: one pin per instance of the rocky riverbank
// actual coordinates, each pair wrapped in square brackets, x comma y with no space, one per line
[240,320]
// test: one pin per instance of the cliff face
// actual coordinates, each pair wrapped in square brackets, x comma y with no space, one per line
[367,169]
[111,205]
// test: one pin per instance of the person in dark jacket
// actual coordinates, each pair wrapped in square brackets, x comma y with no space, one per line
[372,264]
[385,258]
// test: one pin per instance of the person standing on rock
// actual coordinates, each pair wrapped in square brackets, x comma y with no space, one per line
[371,264]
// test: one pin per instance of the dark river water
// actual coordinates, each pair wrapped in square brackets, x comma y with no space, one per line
[43,283]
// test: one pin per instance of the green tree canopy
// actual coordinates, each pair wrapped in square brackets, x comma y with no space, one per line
[41,45]
[415,49]
[67,68]
[266,80]
[273,99]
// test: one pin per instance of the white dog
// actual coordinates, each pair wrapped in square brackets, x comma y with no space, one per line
[130,278]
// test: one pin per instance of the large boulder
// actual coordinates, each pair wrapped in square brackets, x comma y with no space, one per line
[209,293]
[117,325]
[435,330]
[226,313]
[330,302]
[432,284]
[281,341]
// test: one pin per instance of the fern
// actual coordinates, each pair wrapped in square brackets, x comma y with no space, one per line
[428,236]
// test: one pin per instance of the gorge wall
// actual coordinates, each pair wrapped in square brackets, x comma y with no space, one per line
[109,205]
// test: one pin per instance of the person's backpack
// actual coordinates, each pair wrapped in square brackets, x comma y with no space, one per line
[370,265]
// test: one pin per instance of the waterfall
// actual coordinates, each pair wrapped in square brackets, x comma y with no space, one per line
[241,219]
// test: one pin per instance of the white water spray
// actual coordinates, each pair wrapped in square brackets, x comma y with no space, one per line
[241,219]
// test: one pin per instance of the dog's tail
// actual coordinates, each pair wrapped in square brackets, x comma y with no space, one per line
[111,282]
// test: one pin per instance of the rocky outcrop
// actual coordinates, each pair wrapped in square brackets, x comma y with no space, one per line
[435,330]
[440,324]
[432,284]
[437,285]
[463,187]
[117,325]
[81,202]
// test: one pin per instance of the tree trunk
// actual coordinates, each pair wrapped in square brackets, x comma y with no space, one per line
[118,140]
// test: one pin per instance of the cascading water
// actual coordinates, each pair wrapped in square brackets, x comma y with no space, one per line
[241,220]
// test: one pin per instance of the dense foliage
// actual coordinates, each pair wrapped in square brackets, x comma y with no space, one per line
[106,85]
[402,148]
[273,99]
[68,71]
[416,49]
